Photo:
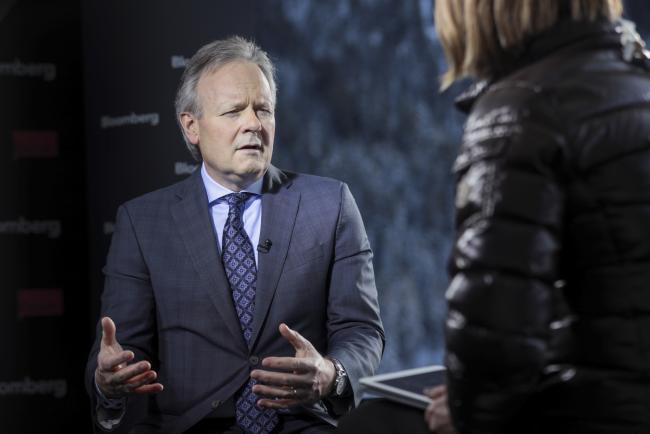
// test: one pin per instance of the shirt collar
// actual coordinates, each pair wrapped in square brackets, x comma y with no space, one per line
[216,190]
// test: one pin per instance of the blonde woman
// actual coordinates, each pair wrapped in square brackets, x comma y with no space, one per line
[548,329]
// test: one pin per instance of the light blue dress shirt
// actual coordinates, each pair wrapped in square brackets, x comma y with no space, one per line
[252,209]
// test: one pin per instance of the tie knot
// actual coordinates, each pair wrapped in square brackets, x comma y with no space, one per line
[237,200]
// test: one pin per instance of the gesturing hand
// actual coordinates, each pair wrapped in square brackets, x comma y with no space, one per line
[303,379]
[436,415]
[114,376]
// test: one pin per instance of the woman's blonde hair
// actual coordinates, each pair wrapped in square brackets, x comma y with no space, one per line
[480,35]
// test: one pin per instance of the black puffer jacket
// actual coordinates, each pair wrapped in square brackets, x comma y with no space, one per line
[549,308]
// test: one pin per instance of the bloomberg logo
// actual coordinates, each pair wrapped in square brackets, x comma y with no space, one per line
[131,119]
[51,228]
[58,388]
[179,62]
[46,71]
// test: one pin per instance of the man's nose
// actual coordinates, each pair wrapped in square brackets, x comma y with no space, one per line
[251,122]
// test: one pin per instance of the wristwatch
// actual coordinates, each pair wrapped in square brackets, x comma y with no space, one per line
[341,380]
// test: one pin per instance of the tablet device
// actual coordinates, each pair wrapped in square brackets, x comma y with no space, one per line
[405,386]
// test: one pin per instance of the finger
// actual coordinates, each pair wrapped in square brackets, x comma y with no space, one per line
[443,407]
[295,339]
[113,362]
[264,391]
[289,364]
[141,379]
[436,414]
[148,388]
[125,375]
[432,424]
[432,417]
[428,412]
[137,380]
[435,392]
[278,403]
[108,332]
[280,378]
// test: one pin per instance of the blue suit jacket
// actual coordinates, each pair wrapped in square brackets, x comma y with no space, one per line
[168,294]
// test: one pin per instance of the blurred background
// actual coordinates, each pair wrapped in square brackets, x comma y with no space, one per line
[87,122]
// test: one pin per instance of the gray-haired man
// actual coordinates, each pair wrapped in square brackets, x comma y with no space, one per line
[205,278]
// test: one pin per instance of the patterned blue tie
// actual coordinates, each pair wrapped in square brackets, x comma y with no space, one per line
[239,262]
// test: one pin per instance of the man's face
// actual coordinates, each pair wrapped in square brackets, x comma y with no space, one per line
[236,130]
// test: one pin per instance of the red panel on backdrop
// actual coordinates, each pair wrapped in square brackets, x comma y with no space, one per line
[35,144]
[40,302]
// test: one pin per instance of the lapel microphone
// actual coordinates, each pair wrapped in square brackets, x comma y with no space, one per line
[264,246]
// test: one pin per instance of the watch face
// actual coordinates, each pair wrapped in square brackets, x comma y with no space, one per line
[340,380]
[340,385]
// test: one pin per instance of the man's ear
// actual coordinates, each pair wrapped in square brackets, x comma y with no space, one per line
[190,127]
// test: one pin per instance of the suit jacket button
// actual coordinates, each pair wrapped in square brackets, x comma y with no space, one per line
[216,403]
[253,360]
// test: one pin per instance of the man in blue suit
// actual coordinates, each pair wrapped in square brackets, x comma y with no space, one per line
[241,299]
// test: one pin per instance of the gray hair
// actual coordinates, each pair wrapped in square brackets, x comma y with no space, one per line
[209,58]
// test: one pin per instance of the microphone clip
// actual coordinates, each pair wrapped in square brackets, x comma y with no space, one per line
[264,246]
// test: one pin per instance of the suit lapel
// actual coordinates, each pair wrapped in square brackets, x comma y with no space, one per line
[279,209]
[194,223]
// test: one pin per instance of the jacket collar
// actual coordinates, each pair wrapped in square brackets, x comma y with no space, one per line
[567,34]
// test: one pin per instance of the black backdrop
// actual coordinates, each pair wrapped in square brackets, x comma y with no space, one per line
[87,122]
[44,284]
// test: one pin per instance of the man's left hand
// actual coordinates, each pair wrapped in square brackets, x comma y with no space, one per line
[303,379]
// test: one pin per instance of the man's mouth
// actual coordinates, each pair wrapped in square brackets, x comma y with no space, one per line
[250,147]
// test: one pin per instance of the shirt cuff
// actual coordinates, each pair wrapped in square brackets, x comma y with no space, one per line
[110,411]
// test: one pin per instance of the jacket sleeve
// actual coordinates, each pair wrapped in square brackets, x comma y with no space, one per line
[355,332]
[505,268]
[128,299]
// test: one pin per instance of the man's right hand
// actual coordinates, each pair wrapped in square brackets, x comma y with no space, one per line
[115,377]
